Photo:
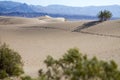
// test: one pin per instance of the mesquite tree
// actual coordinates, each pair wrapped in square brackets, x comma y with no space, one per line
[104,15]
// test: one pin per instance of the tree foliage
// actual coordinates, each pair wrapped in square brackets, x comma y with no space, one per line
[26,78]
[10,62]
[76,66]
[104,15]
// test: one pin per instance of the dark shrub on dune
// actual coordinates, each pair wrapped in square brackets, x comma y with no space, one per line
[104,15]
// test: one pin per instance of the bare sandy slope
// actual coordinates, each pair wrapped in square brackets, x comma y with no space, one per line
[35,41]
[18,20]
[105,28]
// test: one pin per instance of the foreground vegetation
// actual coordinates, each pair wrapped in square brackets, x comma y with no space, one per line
[73,65]
[10,62]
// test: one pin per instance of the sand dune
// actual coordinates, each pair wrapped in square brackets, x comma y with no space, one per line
[106,28]
[38,39]
[18,20]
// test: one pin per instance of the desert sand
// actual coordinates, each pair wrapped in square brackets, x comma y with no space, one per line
[35,38]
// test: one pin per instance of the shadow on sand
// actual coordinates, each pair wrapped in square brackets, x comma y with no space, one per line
[90,24]
[86,25]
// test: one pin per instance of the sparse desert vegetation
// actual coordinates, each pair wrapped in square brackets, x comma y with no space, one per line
[38,33]
[35,39]
[104,15]
[10,62]
[73,65]
[76,66]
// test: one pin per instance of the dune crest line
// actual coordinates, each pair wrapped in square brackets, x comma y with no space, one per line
[115,36]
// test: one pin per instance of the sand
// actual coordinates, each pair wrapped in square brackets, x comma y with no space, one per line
[34,39]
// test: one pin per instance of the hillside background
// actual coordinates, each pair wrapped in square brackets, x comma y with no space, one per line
[22,9]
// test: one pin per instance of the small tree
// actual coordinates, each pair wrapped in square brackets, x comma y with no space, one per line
[104,15]
[10,62]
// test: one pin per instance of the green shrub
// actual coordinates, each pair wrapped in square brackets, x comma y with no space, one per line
[10,62]
[3,74]
[76,66]
[26,78]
